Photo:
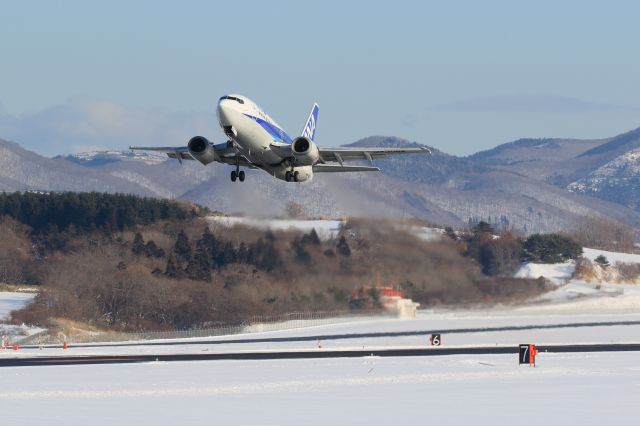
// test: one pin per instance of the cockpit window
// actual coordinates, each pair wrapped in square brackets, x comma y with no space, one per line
[233,98]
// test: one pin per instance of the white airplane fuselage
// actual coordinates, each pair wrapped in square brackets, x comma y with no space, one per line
[253,132]
[256,141]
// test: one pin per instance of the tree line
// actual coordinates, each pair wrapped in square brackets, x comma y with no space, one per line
[502,255]
[197,260]
[87,211]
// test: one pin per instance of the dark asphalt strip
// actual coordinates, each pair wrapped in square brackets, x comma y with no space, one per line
[399,352]
[326,337]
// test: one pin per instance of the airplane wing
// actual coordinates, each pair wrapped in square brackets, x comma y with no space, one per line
[349,154]
[179,152]
[327,168]
[226,153]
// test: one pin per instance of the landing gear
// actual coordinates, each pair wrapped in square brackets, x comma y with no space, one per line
[237,175]
[291,176]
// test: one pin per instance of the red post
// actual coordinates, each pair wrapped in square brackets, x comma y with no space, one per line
[64,345]
[533,351]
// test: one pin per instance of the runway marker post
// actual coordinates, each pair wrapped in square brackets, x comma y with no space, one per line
[527,354]
[435,339]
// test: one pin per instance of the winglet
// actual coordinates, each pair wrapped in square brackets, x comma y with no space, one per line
[309,129]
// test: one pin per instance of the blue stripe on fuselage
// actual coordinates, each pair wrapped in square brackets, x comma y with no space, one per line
[277,133]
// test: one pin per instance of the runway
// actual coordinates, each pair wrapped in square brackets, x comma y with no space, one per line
[308,354]
[344,336]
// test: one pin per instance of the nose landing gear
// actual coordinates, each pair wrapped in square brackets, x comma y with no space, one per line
[291,176]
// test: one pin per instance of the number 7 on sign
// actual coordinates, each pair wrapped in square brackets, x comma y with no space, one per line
[527,354]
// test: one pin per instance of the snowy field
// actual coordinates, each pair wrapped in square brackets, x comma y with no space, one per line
[325,228]
[427,323]
[564,389]
[10,300]
[611,256]
[585,389]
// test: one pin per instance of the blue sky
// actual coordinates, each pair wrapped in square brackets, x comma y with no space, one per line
[460,76]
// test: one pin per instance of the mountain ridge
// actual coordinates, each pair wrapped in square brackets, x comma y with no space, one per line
[522,184]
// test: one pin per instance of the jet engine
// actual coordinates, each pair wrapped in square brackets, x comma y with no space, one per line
[200,148]
[305,152]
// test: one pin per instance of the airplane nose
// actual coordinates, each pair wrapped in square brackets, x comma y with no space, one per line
[223,112]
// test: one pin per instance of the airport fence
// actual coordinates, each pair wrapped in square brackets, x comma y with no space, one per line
[256,324]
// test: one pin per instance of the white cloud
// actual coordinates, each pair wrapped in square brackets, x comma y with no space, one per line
[79,124]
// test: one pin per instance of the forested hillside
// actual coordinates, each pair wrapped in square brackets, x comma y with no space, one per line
[87,211]
[162,267]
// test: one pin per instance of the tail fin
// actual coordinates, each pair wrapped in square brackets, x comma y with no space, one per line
[309,130]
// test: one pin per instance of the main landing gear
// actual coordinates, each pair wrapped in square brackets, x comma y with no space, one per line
[237,175]
[291,176]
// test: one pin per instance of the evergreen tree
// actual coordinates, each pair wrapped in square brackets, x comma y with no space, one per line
[88,211]
[269,236]
[449,232]
[343,247]
[265,255]
[182,248]
[211,245]
[227,255]
[173,269]
[243,253]
[300,254]
[199,267]
[152,250]
[311,238]
[551,248]
[483,227]
[138,246]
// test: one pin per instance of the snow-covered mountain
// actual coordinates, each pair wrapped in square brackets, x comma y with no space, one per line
[617,181]
[521,184]
[601,168]
[99,158]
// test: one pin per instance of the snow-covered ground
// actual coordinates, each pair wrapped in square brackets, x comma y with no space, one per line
[561,273]
[557,273]
[611,256]
[458,328]
[326,228]
[583,389]
[10,301]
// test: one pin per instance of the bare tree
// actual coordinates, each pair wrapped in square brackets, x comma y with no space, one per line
[294,210]
[605,234]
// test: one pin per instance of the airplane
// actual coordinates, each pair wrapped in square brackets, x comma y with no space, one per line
[256,141]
